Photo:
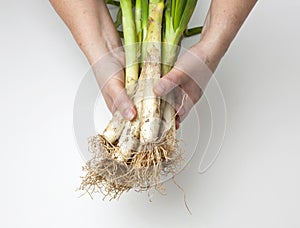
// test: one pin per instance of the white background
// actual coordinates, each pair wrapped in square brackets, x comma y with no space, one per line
[253,183]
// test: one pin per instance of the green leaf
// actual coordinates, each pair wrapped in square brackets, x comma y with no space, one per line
[192,31]
[112,2]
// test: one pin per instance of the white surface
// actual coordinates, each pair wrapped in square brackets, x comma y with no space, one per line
[254,182]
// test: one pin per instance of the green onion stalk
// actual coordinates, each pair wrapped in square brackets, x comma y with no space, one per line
[136,154]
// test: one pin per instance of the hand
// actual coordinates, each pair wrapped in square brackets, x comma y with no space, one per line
[109,72]
[94,31]
[187,80]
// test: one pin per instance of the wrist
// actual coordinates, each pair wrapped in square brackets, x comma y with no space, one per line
[212,46]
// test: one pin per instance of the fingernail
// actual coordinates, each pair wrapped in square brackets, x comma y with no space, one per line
[159,89]
[129,114]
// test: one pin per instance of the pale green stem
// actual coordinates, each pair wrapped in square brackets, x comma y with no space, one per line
[131,70]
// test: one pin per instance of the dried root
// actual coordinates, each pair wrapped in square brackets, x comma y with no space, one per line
[143,171]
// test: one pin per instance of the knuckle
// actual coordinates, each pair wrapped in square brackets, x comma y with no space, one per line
[176,77]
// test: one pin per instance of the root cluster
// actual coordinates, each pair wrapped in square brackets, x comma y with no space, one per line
[144,170]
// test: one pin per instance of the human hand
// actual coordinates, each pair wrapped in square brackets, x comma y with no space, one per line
[187,80]
[94,31]
[109,73]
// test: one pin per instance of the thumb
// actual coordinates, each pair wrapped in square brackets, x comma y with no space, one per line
[168,82]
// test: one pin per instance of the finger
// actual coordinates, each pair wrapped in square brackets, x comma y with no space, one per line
[183,103]
[109,103]
[119,55]
[180,99]
[121,100]
[180,109]
[193,90]
[185,109]
[168,82]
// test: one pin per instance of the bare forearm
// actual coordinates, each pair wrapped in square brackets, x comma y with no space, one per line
[223,21]
[91,25]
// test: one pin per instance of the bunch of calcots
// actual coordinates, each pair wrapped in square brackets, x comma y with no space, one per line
[136,154]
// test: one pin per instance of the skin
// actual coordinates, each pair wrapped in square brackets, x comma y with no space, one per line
[94,31]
